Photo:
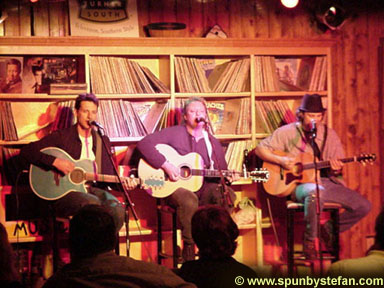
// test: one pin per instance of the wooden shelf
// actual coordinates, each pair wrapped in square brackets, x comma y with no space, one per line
[287,94]
[47,97]
[14,143]
[214,95]
[162,46]
[233,137]
[162,52]
[122,141]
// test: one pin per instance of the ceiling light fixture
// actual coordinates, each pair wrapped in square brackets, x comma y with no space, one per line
[290,3]
[333,17]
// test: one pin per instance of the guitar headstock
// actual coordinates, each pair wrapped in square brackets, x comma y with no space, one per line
[366,158]
[259,175]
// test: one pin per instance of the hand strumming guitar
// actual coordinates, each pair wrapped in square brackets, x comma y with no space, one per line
[172,171]
[63,165]
[286,162]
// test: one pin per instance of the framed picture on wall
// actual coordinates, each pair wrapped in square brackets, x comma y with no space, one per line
[40,72]
[11,69]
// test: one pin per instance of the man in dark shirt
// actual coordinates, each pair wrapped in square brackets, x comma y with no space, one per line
[80,141]
[187,138]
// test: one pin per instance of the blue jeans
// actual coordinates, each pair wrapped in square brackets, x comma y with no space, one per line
[355,205]
[71,203]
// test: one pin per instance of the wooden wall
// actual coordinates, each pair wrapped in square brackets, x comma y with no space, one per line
[356,101]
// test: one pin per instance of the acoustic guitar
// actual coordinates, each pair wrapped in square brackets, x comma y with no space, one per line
[192,173]
[52,184]
[283,182]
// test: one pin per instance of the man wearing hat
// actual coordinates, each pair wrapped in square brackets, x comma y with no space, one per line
[296,138]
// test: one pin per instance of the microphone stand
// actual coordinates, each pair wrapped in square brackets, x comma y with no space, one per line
[226,197]
[227,201]
[127,199]
[318,208]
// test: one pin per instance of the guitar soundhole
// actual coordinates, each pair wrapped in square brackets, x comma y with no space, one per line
[185,172]
[77,176]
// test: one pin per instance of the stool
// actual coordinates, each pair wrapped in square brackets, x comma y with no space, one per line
[57,230]
[292,208]
[27,207]
[161,208]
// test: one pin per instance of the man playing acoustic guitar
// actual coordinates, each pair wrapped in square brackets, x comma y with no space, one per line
[81,143]
[191,137]
[293,141]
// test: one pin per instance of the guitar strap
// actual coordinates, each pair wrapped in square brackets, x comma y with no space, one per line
[225,190]
[320,151]
[316,149]
[98,152]
[324,140]
[209,149]
[324,172]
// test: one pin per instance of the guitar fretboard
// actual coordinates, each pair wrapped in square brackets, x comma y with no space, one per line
[327,164]
[101,178]
[214,173]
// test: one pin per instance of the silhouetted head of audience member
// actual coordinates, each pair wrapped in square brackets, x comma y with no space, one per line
[214,232]
[8,272]
[379,229]
[92,231]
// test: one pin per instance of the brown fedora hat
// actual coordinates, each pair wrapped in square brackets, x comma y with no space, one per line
[312,103]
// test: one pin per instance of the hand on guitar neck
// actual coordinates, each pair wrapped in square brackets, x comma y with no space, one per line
[336,165]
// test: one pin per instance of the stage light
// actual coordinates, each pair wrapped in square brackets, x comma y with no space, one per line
[33,1]
[290,3]
[333,17]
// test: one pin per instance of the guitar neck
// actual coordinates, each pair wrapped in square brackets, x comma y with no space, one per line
[215,173]
[327,164]
[101,178]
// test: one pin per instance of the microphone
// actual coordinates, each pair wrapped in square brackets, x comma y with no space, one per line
[201,119]
[313,125]
[98,125]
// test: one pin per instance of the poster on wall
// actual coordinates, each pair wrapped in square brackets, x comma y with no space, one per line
[11,69]
[104,18]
